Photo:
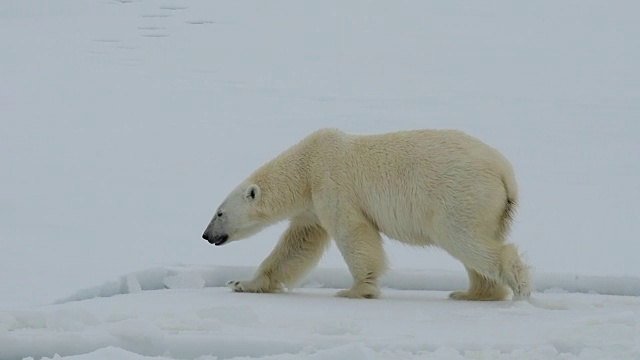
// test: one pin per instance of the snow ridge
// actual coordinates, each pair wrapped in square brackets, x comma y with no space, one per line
[196,277]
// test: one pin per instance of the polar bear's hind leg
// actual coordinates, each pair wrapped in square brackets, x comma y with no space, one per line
[491,265]
[481,288]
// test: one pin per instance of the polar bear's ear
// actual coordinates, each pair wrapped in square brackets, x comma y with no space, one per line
[252,193]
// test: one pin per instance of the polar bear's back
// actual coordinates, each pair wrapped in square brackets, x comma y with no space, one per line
[419,186]
[438,152]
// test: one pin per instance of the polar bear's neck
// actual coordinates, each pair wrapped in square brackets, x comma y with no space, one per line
[284,184]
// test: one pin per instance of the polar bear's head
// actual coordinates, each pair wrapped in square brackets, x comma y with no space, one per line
[238,217]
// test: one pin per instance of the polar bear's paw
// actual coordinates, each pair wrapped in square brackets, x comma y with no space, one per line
[253,286]
[464,295]
[362,291]
[496,295]
[459,295]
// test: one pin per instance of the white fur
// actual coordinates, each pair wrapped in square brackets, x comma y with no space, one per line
[423,187]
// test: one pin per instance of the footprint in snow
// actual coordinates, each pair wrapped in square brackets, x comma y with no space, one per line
[200,22]
[173,7]
[127,47]
[155,35]
[153,31]
[155,15]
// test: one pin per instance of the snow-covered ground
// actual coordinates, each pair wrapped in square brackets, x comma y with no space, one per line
[186,313]
[124,123]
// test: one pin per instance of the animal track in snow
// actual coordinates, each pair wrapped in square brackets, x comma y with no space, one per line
[156,35]
[200,22]
[155,15]
[173,7]
[127,47]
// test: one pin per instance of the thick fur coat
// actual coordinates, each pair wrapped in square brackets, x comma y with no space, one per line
[423,187]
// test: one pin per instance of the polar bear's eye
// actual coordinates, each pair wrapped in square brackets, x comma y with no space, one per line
[219,214]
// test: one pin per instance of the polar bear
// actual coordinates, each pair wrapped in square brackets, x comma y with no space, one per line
[421,187]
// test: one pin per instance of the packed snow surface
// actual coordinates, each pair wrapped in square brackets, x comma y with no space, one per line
[184,313]
[124,123]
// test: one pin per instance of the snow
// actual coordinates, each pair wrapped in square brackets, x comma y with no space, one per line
[124,123]
[191,322]
[198,277]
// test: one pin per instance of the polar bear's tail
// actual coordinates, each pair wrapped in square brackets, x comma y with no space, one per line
[511,203]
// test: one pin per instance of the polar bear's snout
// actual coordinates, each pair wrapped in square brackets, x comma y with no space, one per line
[220,239]
[215,239]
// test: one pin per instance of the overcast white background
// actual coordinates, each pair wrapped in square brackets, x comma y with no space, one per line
[124,124]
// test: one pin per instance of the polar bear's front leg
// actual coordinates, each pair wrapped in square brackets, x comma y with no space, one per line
[299,249]
[362,250]
[260,284]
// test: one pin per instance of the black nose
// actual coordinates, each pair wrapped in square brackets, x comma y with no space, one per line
[206,236]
